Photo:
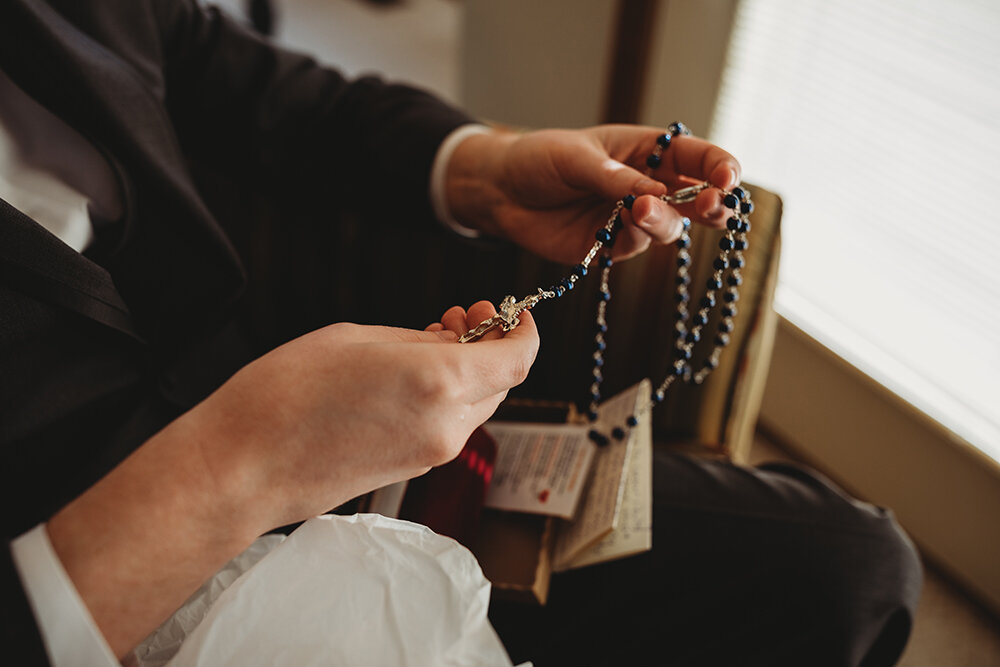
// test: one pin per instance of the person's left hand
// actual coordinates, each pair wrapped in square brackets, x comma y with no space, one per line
[551,190]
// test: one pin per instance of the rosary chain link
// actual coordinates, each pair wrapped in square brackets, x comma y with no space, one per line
[727,270]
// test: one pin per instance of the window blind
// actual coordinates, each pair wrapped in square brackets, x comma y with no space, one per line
[879,124]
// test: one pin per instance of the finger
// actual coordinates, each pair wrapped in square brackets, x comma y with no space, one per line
[597,172]
[698,159]
[480,312]
[345,332]
[707,208]
[454,320]
[662,222]
[436,326]
[490,367]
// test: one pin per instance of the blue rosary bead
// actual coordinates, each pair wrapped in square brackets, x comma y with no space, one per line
[746,207]
[700,320]
[681,297]
[663,141]
[605,261]
[722,339]
[653,161]
[596,396]
[744,227]
[601,346]
[736,262]
[631,421]
[601,328]
[719,263]
[605,295]
[731,296]
[725,327]
[617,224]
[707,301]
[711,363]
[598,362]
[678,128]
[739,192]
[682,353]
[712,283]
[628,200]
[683,280]
[733,224]
[659,395]
[686,223]
[681,313]
[741,244]
[566,283]
[734,280]
[729,310]
[683,260]
[597,437]
[730,201]
[558,289]
[692,337]
[725,243]
[603,235]
[580,270]
[683,242]
[618,433]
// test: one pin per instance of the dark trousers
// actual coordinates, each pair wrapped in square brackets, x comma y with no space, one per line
[750,566]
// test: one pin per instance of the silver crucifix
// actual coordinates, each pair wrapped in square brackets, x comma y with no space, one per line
[507,315]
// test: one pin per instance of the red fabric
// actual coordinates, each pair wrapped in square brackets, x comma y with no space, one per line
[449,499]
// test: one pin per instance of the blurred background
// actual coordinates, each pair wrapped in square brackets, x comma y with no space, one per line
[878,123]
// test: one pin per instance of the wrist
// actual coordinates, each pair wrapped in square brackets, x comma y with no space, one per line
[140,541]
[472,180]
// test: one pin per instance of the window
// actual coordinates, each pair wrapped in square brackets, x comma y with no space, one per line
[879,123]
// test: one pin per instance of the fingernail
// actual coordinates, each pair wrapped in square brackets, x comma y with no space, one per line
[733,178]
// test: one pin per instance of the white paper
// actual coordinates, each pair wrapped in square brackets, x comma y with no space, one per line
[602,503]
[540,468]
[361,590]
[633,532]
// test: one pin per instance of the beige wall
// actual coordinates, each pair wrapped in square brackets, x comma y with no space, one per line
[535,63]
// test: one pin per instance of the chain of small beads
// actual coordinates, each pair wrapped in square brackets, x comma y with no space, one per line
[727,268]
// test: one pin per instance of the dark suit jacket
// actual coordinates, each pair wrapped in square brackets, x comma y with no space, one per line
[99,351]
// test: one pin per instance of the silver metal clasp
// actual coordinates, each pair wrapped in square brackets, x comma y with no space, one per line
[685,195]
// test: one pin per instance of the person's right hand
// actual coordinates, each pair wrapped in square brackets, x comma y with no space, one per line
[348,408]
[324,418]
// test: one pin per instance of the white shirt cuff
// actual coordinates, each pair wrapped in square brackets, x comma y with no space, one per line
[439,171]
[68,630]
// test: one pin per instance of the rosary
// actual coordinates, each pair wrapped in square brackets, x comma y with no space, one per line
[689,328]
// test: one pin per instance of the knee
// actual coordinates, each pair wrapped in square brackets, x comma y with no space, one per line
[869,579]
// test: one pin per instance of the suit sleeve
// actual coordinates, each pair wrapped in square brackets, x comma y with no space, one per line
[245,105]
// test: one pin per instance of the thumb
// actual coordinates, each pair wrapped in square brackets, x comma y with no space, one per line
[494,366]
[612,179]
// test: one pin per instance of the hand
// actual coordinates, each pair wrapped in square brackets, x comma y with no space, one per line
[549,191]
[348,408]
[328,416]
[457,321]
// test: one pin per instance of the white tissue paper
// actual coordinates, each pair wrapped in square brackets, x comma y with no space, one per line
[358,590]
